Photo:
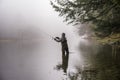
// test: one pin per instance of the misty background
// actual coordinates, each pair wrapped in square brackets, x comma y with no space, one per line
[27,51]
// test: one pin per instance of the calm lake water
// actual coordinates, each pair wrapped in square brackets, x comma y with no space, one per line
[35,59]
[24,54]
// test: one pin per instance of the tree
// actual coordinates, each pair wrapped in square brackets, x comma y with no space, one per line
[103,17]
[84,10]
[103,14]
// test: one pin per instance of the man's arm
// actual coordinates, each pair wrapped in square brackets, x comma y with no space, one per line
[57,39]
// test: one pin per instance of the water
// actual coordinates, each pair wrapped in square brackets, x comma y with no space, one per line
[33,59]
[29,53]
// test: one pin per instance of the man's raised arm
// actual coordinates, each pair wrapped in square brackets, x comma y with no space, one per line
[57,39]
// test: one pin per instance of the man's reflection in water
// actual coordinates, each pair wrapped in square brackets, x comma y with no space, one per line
[65,51]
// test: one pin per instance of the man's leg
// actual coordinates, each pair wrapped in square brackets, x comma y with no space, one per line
[63,59]
[66,59]
[67,54]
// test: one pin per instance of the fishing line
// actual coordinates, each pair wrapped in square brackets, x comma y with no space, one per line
[47,34]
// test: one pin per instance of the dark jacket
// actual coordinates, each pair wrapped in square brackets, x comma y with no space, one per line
[63,41]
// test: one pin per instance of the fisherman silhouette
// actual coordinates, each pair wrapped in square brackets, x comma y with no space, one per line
[65,51]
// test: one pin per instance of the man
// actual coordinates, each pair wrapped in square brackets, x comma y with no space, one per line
[65,51]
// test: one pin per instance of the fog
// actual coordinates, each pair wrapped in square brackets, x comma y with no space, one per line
[27,51]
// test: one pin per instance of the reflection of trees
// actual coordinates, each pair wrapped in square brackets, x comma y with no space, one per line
[107,63]
[104,59]
[88,74]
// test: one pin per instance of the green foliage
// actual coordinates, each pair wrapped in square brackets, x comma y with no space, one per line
[104,14]
[85,10]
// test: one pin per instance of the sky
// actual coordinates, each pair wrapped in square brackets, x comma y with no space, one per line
[27,51]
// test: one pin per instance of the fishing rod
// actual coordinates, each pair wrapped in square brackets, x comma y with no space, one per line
[47,34]
[11,40]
